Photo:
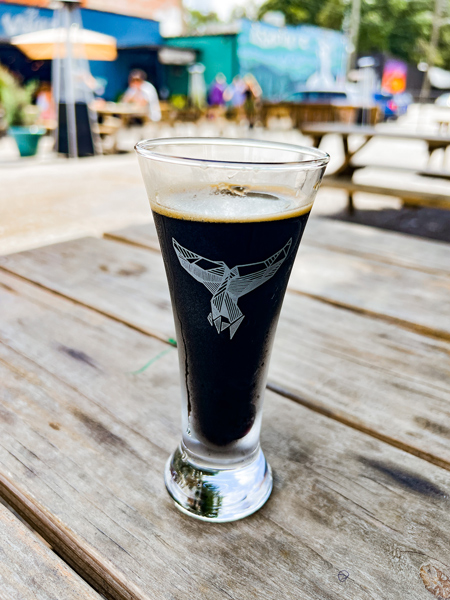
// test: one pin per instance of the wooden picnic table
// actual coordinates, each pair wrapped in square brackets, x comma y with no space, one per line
[444,125]
[123,110]
[356,427]
[318,131]
[342,177]
[307,113]
[126,111]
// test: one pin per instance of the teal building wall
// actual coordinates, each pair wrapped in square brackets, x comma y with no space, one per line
[217,52]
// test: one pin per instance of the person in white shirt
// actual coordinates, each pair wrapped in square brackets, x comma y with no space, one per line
[142,93]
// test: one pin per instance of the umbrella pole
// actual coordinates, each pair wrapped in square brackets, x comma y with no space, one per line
[56,87]
[70,95]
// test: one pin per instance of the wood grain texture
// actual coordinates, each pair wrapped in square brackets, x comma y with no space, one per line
[378,245]
[366,242]
[362,268]
[144,236]
[29,570]
[417,300]
[87,268]
[365,372]
[84,442]
[376,377]
[86,271]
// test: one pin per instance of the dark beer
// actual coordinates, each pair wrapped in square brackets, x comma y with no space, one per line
[227,278]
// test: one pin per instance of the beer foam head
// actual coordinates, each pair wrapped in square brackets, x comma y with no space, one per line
[230,203]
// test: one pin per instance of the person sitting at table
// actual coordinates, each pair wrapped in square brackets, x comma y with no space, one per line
[46,105]
[143,94]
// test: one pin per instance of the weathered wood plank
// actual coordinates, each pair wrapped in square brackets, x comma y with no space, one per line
[367,242]
[337,264]
[88,268]
[363,362]
[376,377]
[29,570]
[415,299]
[378,245]
[84,270]
[137,235]
[85,441]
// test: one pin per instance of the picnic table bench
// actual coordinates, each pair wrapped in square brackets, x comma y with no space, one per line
[343,177]
[356,426]
[302,113]
[444,125]
[115,116]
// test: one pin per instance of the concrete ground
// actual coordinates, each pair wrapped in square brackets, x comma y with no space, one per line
[46,199]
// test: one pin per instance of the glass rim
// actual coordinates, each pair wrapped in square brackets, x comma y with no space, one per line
[145,148]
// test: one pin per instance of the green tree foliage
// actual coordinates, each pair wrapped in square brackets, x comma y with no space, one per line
[196,19]
[247,11]
[399,27]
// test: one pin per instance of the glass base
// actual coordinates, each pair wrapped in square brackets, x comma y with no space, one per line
[218,495]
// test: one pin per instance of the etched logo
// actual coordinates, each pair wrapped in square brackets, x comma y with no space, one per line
[228,285]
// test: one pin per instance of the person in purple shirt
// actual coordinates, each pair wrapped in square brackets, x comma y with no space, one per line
[215,94]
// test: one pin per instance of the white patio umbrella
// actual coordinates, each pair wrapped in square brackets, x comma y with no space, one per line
[52,43]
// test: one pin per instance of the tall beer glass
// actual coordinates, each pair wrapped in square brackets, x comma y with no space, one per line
[230,215]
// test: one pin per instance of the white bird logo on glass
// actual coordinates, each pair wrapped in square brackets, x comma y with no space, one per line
[228,285]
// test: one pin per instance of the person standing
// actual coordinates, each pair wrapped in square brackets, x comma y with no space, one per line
[143,94]
[234,96]
[235,92]
[216,90]
[253,93]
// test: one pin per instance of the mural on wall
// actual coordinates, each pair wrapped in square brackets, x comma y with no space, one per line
[168,12]
[286,60]
[15,22]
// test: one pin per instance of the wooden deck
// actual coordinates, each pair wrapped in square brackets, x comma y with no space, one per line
[356,427]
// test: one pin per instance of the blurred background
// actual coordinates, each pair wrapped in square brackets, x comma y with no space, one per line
[82,82]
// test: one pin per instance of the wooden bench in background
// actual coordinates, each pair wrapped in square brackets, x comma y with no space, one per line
[304,113]
[343,179]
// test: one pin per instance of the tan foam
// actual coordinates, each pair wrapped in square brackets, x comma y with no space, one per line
[226,203]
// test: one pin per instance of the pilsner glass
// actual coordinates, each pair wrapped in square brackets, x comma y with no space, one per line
[230,215]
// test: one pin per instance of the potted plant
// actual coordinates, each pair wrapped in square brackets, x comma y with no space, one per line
[19,114]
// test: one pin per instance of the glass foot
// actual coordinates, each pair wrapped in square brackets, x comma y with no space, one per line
[221,495]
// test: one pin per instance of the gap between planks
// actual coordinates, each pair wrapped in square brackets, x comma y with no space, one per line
[310,241]
[353,424]
[30,569]
[105,313]
[286,393]
[369,255]
[71,548]
[437,334]
[121,240]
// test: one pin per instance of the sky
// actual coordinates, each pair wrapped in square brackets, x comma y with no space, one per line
[223,8]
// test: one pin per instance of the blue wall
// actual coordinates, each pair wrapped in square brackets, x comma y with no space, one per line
[128,31]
